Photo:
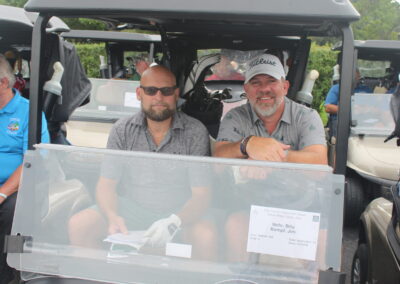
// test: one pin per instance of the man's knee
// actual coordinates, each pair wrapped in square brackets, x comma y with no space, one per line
[80,224]
[237,222]
[204,232]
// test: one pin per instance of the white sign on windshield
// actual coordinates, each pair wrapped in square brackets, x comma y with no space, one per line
[283,232]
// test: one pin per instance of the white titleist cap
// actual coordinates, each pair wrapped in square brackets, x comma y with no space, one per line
[264,64]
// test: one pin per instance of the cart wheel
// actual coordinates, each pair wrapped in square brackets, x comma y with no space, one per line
[359,267]
[354,200]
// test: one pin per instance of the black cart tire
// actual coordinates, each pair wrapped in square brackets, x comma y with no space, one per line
[359,267]
[354,200]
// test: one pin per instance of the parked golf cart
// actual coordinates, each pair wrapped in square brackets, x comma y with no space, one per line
[313,193]
[377,258]
[16,26]
[113,95]
[372,166]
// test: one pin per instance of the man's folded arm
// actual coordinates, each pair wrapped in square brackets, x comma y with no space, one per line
[225,149]
[313,154]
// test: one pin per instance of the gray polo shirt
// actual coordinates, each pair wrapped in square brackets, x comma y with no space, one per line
[298,127]
[156,184]
[187,136]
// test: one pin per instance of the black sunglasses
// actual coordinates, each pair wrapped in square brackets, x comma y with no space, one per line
[165,91]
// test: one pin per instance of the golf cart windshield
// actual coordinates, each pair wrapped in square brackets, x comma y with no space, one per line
[373,69]
[371,114]
[300,238]
[110,100]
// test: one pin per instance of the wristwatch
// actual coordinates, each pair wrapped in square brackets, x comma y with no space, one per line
[243,145]
[3,195]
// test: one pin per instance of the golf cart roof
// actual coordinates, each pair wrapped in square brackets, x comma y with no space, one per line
[16,26]
[378,49]
[111,36]
[286,17]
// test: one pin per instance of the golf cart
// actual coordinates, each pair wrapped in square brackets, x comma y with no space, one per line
[16,37]
[372,165]
[377,258]
[16,27]
[307,200]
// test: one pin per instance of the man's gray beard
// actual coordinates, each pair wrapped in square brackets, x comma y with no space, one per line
[270,111]
[160,116]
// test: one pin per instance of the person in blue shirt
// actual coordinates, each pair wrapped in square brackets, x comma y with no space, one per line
[332,100]
[14,115]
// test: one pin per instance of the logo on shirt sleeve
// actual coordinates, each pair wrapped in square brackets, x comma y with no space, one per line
[13,126]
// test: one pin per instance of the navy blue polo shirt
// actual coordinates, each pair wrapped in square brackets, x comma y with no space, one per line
[14,134]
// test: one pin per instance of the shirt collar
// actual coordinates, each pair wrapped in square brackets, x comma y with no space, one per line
[286,116]
[253,115]
[140,120]
[12,105]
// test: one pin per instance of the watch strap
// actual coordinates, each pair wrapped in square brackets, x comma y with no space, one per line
[243,145]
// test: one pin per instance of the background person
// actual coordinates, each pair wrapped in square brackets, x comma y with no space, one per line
[332,101]
[15,60]
[224,70]
[14,115]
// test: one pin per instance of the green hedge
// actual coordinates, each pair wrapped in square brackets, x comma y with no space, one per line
[322,59]
[89,55]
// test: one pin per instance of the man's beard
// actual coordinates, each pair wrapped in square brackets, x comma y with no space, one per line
[266,112]
[158,116]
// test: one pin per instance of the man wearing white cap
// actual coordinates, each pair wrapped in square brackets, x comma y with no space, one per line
[270,126]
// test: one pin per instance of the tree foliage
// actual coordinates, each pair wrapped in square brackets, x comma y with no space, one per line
[89,56]
[322,59]
[380,19]
[84,24]
[79,23]
[15,3]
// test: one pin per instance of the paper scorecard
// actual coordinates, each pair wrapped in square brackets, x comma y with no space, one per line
[283,232]
[178,250]
[134,239]
[124,245]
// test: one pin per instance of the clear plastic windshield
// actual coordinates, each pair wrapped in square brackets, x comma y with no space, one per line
[110,100]
[371,114]
[187,219]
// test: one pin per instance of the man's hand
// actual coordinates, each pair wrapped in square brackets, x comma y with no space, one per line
[331,109]
[2,199]
[116,224]
[266,149]
[163,230]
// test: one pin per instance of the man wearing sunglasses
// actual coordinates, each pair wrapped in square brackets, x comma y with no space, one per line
[159,127]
